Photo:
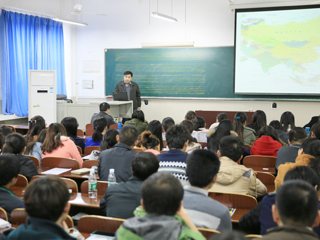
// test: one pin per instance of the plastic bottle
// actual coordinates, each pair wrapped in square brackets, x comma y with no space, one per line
[308,130]
[119,126]
[112,177]
[92,184]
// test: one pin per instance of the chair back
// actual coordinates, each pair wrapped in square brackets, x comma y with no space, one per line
[35,160]
[71,184]
[235,200]
[79,150]
[253,236]
[22,181]
[101,186]
[203,144]
[90,163]
[60,162]
[89,132]
[89,149]
[164,144]
[90,223]
[11,127]
[259,161]
[80,133]
[114,126]
[89,126]
[3,214]
[207,233]
[267,179]
[137,149]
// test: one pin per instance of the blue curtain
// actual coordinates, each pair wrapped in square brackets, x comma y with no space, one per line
[28,42]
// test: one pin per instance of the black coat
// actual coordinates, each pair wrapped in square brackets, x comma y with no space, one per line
[134,93]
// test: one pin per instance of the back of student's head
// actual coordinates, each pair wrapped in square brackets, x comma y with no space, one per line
[144,164]
[71,125]
[224,129]
[53,137]
[14,143]
[311,146]
[2,138]
[128,135]
[202,167]
[188,125]
[40,138]
[9,168]
[36,125]
[149,141]
[155,127]
[5,130]
[316,130]
[287,120]
[275,124]
[303,173]
[109,139]
[297,203]
[259,120]
[46,198]
[190,115]
[167,123]
[162,194]
[198,123]
[99,124]
[240,118]
[222,116]
[138,114]
[297,135]
[176,136]
[104,107]
[231,147]
[269,131]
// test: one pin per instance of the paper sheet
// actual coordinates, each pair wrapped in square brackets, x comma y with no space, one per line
[56,171]
[96,237]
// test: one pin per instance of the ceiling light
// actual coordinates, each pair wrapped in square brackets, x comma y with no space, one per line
[163,16]
[70,21]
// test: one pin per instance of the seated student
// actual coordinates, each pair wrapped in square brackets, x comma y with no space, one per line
[34,148]
[100,127]
[71,125]
[120,200]
[246,134]
[313,121]
[268,142]
[57,144]
[120,156]
[310,151]
[205,212]
[46,202]
[150,143]
[277,126]
[233,177]
[296,211]
[199,124]
[289,153]
[315,131]
[287,121]
[193,143]
[219,118]
[175,160]
[104,112]
[166,124]
[36,125]
[15,143]
[110,138]
[224,129]
[190,115]
[155,127]
[5,130]
[138,121]
[259,120]
[163,216]
[2,138]
[9,170]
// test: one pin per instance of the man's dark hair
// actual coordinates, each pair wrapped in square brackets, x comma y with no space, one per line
[162,194]
[46,197]
[316,130]
[104,106]
[127,73]
[128,135]
[5,130]
[190,115]
[231,147]
[297,202]
[14,143]
[188,124]
[167,123]
[297,135]
[222,116]
[176,136]
[198,122]
[9,168]
[138,114]
[202,167]
[144,164]
[303,173]
[71,125]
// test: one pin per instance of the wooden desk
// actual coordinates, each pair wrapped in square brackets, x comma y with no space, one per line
[83,200]
[22,129]
[66,174]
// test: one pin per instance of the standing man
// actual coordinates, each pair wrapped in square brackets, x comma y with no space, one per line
[131,88]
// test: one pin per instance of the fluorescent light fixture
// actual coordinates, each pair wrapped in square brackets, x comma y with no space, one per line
[70,21]
[163,17]
[167,44]
[270,4]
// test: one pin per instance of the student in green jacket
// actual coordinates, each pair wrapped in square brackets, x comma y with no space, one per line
[138,121]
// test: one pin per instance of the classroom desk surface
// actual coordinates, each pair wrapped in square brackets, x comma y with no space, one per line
[66,174]
[83,200]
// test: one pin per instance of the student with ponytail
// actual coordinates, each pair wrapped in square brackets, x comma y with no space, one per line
[246,134]
[110,138]
[100,127]
[150,143]
[36,125]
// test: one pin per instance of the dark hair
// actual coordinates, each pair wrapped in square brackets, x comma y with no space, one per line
[311,146]
[9,168]
[222,116]
[316,130]
[5,130]
[297,203]
[231,147]
[297,134]
[167,123]
[109,139]
[189,126]
[52,140]
[99,124]
[239,119]
[14,143]
[275,124]
[104,107]
[271,132]
[176,136]
[155,127]
[144,164]
[46,198]
[162,194]
[198,122]
[149,141]
[190,115]
[2,138]
[36,124]
[71,125]
[127,73]
[40,139]
[223,129]
[128,135]
[202,167]
[287,118]
[303,173]
[259,120]
[138,114]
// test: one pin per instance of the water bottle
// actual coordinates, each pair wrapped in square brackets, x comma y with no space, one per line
[308,130]
[112,177]
[92,184]
[119,126]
